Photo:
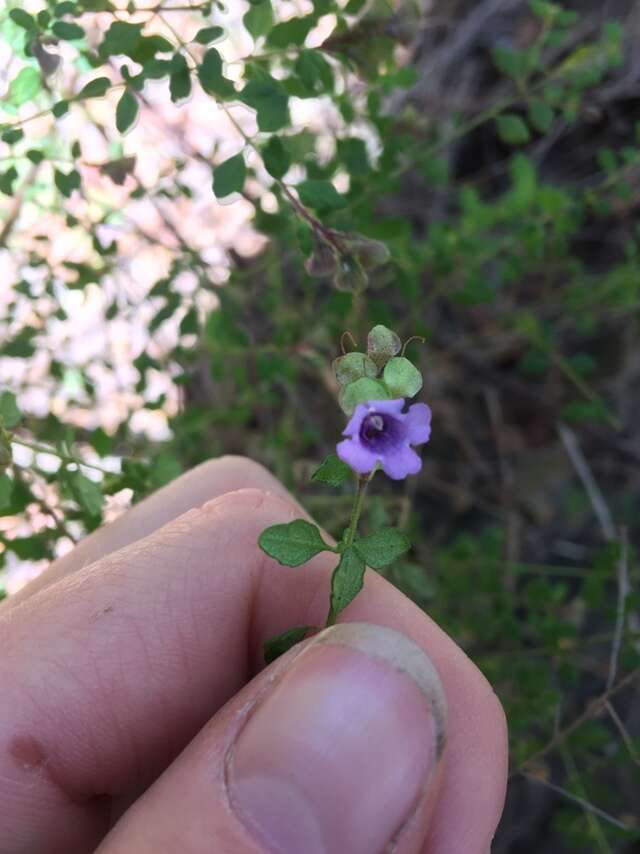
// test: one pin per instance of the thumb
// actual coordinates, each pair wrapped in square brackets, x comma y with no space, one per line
[334,748]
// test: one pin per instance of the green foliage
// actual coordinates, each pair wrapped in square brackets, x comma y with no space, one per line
[346,582]
[383,547]
[268,98]
[280,644]
[9,412]
[332,471]
[211,77]
[258,21]
[24,87]
[276,156]
[294,543]
[208,34]
[126,111]
[512,129]
[229,177]
[320,195]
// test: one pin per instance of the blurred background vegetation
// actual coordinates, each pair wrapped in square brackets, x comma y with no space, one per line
[171,173]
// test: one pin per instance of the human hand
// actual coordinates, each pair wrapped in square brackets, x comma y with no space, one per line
[133,720]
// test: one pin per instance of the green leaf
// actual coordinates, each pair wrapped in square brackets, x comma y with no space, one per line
[64,8]
[540,115]
[332,471]
[60,108]
[293,543]
[269,100]
[208,35]
[180,80]
[7,180]
[24,87]
[67,31]
[96,88]
[6,491]
[382,547]
[278,645]
[67,182]
[353,153]
[259,19]
[382,345]
[121,38]
[512,129]
[23,19]
[118,170]
[322,196]
[510,62]
[12,136]
[292,32]
[346,582]
[9,412]
[126,111]
[360,392]
[314,72]
[211,77]
[352,367]
[277,159]
[401,377]
[87,493]
[229,176]
[35,155]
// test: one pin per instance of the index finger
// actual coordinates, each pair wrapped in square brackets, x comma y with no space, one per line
[112,670]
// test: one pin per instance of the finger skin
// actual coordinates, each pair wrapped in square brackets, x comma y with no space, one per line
[193,804]
[112,670]
[203,483]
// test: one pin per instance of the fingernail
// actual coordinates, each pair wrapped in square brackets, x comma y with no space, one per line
[343,751]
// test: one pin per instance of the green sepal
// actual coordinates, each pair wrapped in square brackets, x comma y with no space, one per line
[332,471]
[278,645]
[383,547]
[293,543]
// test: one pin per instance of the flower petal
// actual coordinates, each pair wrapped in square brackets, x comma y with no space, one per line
[401,463]
[353,427]
[388,407]
[418,423]
[354,455]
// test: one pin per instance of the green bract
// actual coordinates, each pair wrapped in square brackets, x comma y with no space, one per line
[352,367]
[401,377]
[360,391]
[382,345]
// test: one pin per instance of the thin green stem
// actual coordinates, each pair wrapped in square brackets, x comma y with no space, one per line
[356,511]
[65,458]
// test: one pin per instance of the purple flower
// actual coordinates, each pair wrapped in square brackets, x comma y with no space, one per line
[380,432]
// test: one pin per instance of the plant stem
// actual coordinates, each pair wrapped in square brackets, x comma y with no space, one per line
[356,510]
[66,459]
